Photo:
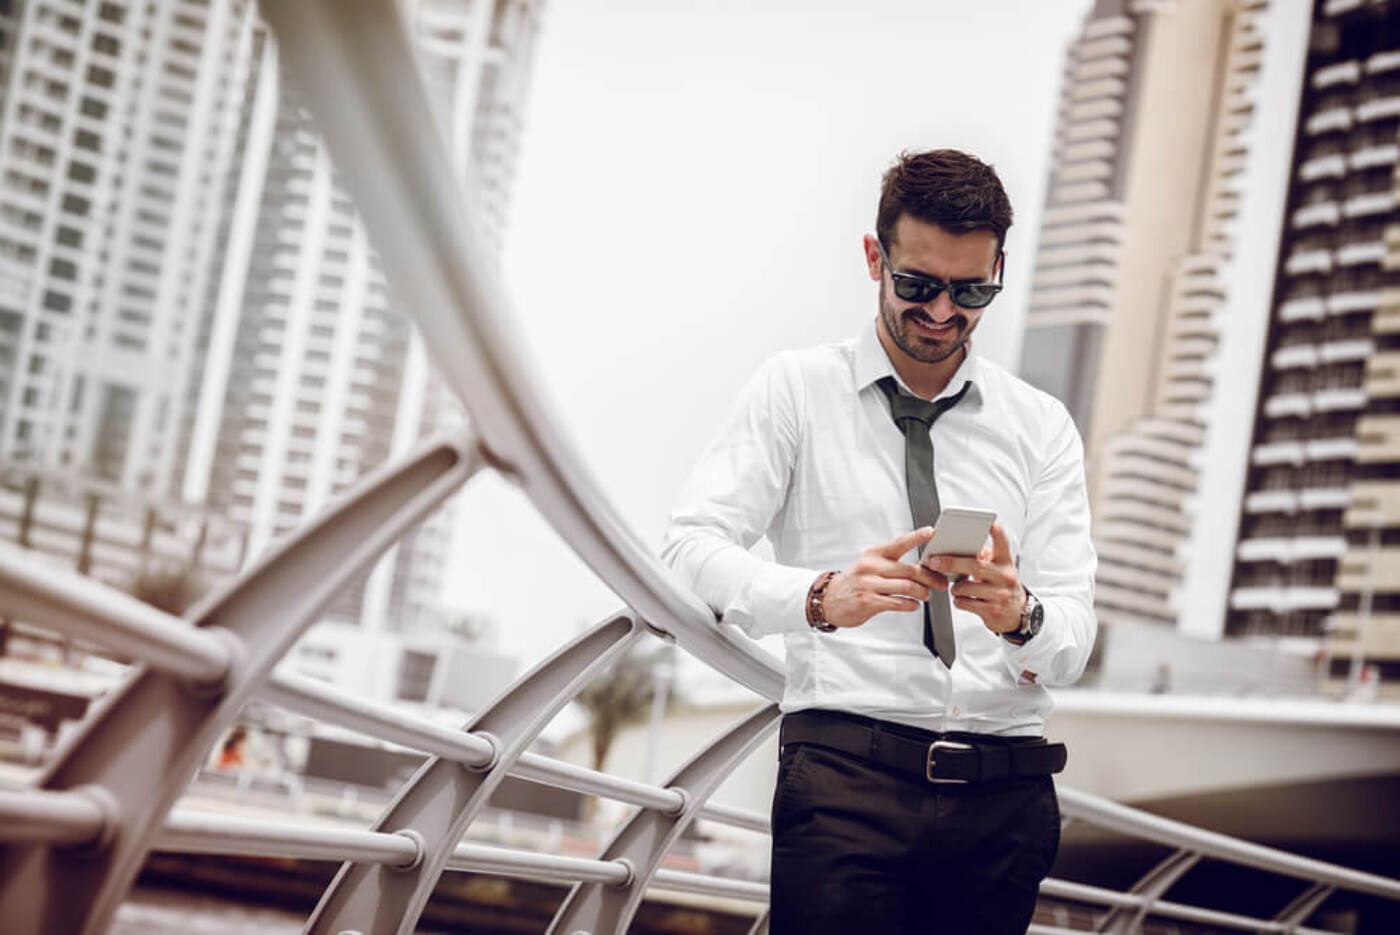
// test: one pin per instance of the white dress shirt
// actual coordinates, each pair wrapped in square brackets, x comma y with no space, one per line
[811,459]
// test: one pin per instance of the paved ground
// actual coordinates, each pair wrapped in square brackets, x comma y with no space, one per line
[160,912]
[167,912]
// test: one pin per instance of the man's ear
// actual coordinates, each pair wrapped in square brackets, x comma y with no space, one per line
[872,257]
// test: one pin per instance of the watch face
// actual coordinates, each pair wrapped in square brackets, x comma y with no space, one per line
[1037,617]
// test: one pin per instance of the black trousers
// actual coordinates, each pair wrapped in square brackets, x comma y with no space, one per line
[857,848]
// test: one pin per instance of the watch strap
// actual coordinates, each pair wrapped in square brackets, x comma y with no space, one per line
[816,615]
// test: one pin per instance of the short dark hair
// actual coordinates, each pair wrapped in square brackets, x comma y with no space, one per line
[956,191]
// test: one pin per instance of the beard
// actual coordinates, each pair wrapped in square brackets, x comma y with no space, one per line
[924,349]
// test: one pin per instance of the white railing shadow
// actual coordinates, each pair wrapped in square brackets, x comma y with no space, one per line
[71,845]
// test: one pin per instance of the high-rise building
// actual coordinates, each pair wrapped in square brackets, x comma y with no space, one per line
[1152,281]
[117,138]
[189,303]
[320,376]
[1319,544]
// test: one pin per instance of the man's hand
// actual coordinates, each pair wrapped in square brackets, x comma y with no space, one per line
[879,581]
[989,587]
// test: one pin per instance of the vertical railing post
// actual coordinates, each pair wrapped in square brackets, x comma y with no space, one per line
[1152,887]
[600,909]
[442,799]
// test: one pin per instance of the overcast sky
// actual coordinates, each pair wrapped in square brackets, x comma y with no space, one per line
[695,181]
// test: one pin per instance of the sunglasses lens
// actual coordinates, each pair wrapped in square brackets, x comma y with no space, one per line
[912,289]
[974,295]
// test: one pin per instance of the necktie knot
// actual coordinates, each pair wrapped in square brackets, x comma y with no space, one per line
[906,409]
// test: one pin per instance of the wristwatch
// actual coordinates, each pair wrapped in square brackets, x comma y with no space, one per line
[816,615]
[1032,619]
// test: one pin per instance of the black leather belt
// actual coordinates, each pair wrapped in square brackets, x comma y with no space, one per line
[952,757]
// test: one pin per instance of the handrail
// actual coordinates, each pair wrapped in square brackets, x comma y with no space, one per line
[85,609]
[1106,813]
[68,817]
[331,705]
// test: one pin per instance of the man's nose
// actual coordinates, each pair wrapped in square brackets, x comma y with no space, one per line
[941,309]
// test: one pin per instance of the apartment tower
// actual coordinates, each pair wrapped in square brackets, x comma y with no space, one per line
[1152,281]
[1319,546]
[189,304]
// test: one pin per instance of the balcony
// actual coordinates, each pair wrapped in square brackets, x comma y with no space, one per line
[1092,130]
[1371,156]
[1378,108]
[1327,121]
[1294,357]
[1272,501]
[1288,549]
[1339,400]
[1308,261]
[1359,254]
[1102,88]
[1333,165]
[1383,62]
[1368,204]
[1110,66]
[1103,27]
[1285,452]
[1331,449]
[1288,404]
[1351,349]
[1324,498]
[1102,108]
[1076,192]
[1282,600]
[1165,450]
[1129,579]
[1341,73]
[1345,303]
[1073,297]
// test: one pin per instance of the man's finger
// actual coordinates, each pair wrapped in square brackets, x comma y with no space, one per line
[887,568]
[977,591]
[897,586]
[901,544]
[1001,546]
[956,564]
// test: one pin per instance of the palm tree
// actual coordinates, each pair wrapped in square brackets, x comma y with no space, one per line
[621,696]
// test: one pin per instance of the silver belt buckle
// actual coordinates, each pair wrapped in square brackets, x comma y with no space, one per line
[932,754]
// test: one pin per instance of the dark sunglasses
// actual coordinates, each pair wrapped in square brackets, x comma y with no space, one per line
[924,289]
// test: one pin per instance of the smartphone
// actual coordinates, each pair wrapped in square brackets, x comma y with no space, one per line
[960,531]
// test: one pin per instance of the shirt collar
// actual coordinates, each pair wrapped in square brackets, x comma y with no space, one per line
[871,363]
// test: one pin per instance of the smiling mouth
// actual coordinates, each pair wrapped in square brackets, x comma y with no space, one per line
[928,324]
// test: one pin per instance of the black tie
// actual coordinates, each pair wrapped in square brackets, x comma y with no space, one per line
[915,417]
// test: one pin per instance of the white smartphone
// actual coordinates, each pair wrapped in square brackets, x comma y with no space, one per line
[960,531]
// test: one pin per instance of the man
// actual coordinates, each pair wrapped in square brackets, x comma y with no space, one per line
[914,790]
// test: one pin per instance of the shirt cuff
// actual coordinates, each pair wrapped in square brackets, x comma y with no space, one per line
[772,598]
[1032,661]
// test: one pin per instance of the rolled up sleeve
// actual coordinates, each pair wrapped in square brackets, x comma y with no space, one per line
[1057,564]
[728,504]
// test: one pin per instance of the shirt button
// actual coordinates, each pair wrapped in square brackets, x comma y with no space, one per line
[957,712]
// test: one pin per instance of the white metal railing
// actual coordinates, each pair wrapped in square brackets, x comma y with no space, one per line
[71,845]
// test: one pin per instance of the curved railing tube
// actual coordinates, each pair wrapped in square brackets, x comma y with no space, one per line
[354,66]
